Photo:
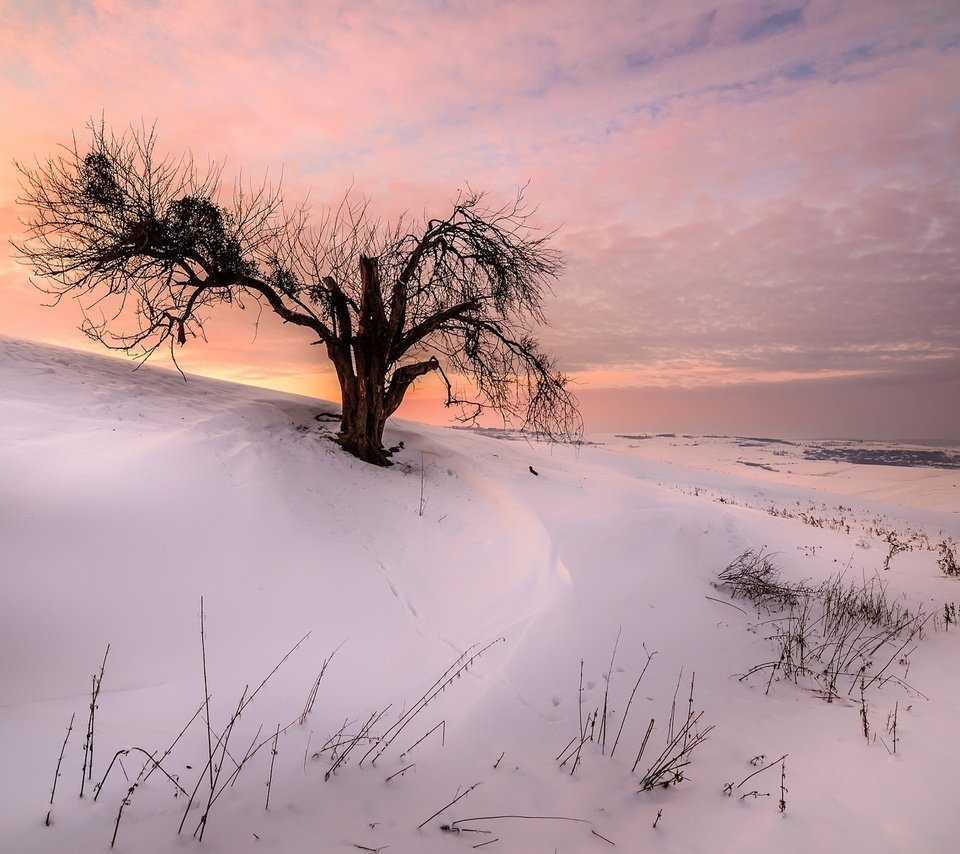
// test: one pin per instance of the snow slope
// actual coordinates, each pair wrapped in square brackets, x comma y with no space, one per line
[126,497]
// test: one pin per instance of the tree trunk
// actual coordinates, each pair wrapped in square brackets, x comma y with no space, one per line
[362,360]
[363,379]
[364,417]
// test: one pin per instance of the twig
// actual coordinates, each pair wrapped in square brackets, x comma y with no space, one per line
[673,706]
[580,700]
[761,770]
[169,750]
[583,741]
[693,677]
[626,711]
[722,602]
[456,669]
[151,759]
[565,749]
[892,730]
[312,696]
[606,693]
[124,803]
[214,767]
[273,756]
[250,753]
[306,752]
[63,747]
[206,694]
[447,806]
[360,736]
[401,771]
[643,746]
[459,821]
[222,743]
[442,726]
[280,664]
[783,785]
[880,672]
[87,771]
[423,476]
[863,712]
[672,759]
[754,794]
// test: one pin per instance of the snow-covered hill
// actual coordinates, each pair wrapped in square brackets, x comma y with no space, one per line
[494,613]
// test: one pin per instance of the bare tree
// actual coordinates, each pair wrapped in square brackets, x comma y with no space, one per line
[147,246]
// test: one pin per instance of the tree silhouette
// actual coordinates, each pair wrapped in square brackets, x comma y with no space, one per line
[147,247]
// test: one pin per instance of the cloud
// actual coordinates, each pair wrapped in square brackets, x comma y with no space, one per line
[774,24]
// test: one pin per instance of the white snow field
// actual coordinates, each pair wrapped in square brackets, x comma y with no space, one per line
[468,612]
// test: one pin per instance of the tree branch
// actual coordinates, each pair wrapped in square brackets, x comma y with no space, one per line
[402,379]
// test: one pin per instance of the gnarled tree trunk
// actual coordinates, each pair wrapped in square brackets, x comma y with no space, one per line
[363,380]
[364,417]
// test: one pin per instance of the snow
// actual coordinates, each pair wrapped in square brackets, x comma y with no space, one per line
[127,496]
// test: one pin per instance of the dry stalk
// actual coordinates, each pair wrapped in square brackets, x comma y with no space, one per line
[273,756]
[454,671]
[96,680]
[447,806]
[626,712]
[56,775]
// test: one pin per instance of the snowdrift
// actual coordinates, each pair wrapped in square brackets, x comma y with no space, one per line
[480,630]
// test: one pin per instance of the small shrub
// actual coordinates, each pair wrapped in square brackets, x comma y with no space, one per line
[753,576]
[827,636]
[948,558]
[896,546]
[949,614]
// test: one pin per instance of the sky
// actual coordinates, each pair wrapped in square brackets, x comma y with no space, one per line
[758,202]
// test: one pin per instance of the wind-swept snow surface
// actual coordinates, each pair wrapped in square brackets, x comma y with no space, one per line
[475,625]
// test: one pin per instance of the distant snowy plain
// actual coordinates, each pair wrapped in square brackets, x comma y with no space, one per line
[126,497]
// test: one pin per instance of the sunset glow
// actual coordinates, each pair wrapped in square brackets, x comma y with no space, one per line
[758,203]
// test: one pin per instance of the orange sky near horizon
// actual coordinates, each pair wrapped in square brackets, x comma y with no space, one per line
[759,204]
